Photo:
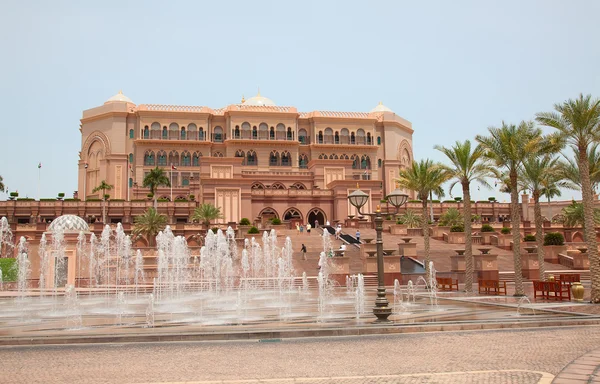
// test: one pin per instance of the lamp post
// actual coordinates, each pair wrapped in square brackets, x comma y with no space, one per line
[358,198]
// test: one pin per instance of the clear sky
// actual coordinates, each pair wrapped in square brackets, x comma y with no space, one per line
[452,68]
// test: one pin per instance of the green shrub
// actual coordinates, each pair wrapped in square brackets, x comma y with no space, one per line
[28,199]
[458,199]
[399,221]
[457,228]
[150,195]
[215,230]
[244,221]
[72,199]
[491,199]
[383,201]
[482,201]
[448,201]
[529,238]
[192,197]
[275,221]
[435,201]
[487,228]
[137,200]
[46,199]
[61,195]
[451,218]
[93,199]
[9,269]
[14,194]
[163,200]
[554,238]
[388,217]
[180,200]
[505,231]
[106,196]
[253,230]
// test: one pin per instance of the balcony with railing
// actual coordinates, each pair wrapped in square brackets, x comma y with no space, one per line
[258,135]
[174,135]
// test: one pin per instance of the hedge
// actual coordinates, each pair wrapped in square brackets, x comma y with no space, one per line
[9,269]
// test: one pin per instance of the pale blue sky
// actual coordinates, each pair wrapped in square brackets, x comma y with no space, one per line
[452,68]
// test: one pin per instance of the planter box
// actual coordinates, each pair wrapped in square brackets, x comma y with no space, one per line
[414,231]
[339,265]
[438,232]
[551,252]
[407,249]
[457,263]
[398,229]
[530,266]
[486,237]
[581,261]
[454,237]
[486,266]
[501,241]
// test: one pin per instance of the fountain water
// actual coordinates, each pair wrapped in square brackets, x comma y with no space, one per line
[22,267]
[6,239]
[522,301]
[432,285]
[44,264]
[139,270]
[410,291]
[359,296]
[72,307]
[398,300]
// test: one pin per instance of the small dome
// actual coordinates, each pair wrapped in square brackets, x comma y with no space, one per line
[381,108]
[259,100]
[119,97]
[69,223]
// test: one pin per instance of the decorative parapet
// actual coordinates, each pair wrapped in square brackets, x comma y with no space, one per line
[291,192]
[174,108]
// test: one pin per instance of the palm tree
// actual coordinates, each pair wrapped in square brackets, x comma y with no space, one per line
[507,147]
[149,224]
[156,178]
[550,191]
[570,168]
[423,177]
[410,219]
[104,186]
[574,215]
[205,213]
[467,165]
[2,187]
[578,123]
[540,175]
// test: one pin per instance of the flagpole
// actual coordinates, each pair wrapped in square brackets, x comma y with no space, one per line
[39,179]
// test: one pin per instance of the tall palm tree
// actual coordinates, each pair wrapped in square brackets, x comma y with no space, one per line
[507,147]
[574,215]
[104,186]
[423,177]
[578,123]
[570,168]
[149,224]
[549,191]
[2,187]
[467,165]
[205,213]
[540,174]
[156,178]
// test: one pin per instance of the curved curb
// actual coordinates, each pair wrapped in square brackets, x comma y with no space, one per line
[583,369]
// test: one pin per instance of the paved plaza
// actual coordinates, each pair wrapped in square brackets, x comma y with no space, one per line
[498,356]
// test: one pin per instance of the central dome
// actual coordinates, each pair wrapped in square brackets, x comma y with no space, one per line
[119,98]
[259,100]
[381,108]
[69,223]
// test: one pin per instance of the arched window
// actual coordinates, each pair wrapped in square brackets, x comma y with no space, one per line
[286,159]
[196,159]
[320,137]
[328,136]
[333,157]
[174,158]
[251,158]
[352,138]
[303,161]
[379,162]
[298,186]
[173,131]
[369,138]
[365,162]
[131,133]
[336,137]
[182,133]
[272,134]
[149,158]
[201,134]
[274,159]
[165,133]
[360,136]
[280,130]
[303,136]
[240,153]
[322,156]
[218,135]
[184,183]
[192,132]
[146,132]
[130,182]
[246,130]
[162,158]
[345,136]
[289,133]
[217,154]
[277,185]
[155,129]
[354,159]
[344,157]
[186,159]
[263,131]
[257,186]
[236,132]
[131,158]
[254,133]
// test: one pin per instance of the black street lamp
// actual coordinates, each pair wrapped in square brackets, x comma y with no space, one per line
[358,198]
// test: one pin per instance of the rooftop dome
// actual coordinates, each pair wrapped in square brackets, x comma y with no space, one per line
[69,223]
[381,108]
[119,97]
[259,100]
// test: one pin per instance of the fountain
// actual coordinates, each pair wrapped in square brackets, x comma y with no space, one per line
[22,265]
[359,296]
[6,238]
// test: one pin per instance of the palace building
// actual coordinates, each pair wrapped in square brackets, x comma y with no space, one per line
[254,159]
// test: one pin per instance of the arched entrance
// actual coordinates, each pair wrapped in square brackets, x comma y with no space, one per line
[267,214]
[293,216]
[316,215]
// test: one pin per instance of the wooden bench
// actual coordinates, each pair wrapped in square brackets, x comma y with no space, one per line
[569,278]
[492,287]
[551,290]
[446,284]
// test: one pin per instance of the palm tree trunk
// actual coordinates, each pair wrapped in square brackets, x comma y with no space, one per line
[425,226]
[589,227]
[549,211]
[468,239]
[516,225]
[539,236]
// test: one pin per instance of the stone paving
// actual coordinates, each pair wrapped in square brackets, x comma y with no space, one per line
[500,356]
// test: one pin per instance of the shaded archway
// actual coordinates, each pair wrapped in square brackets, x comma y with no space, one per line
[267,214]
[293,215]
[316,214]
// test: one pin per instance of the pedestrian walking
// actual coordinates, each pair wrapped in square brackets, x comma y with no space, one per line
[358,236]
[303,250]
[338,231]
[298,228]
[301,228]
[308,228]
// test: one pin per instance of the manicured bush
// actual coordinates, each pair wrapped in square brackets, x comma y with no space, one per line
[458,199]
[106,196]
[27,199]
[529,238]
[399,221]
[163,200]
[491,199]
[275,221]
[180,200]
[137,200]
[383,201]
[72,199]
[46,199]
[487,228]
[554,238]
[244,221]
[253,230]
[457,228]
[9,269]
[93,199]
[150,195]
[61,195]
[192,197]
[505,231]
[388,217]
[448,201]
[435,201]
[14,194]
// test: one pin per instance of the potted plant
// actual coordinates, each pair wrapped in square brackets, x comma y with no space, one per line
[503,239]
[192,197]
[487,231]
[13,195]
[243,226]
[554,243]
[60,196]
